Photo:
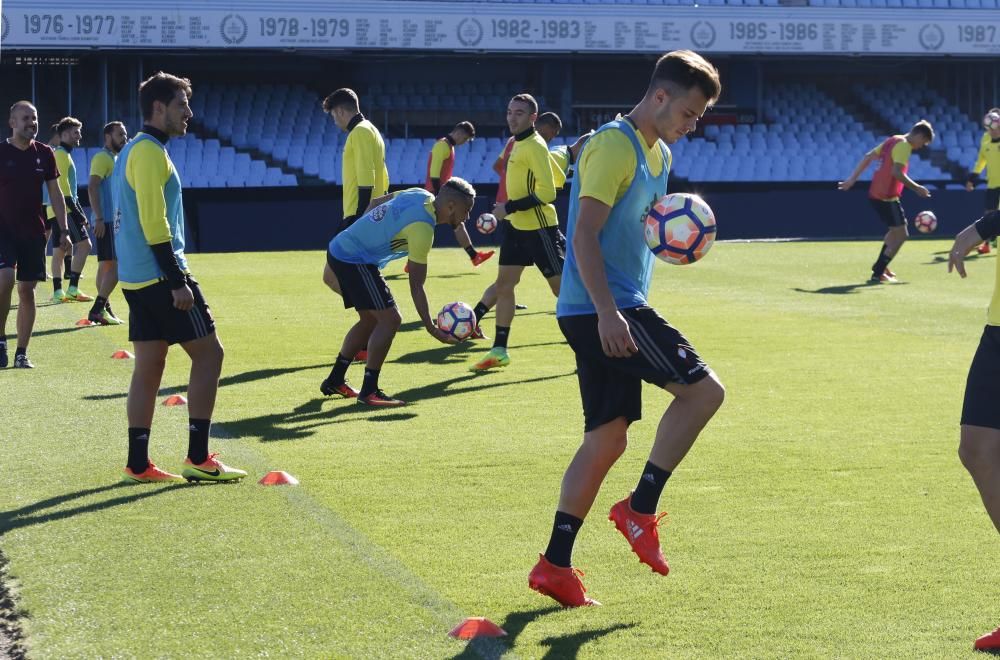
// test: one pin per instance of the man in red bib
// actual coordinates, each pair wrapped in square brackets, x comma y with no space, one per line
[893,156]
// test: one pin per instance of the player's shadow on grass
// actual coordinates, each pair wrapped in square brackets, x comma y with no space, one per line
[55,331]
[443,276]
[456,352]
[235,379]
[941,257]
[305,419]
[847,288]
[34,514]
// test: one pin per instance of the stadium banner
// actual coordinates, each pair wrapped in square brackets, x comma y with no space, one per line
[454,26]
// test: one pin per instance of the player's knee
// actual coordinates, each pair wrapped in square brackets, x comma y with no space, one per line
[978,455]
[711,394]
[26,293]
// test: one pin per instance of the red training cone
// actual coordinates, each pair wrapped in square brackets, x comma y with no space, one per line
[477,626]
[85,323]
[278,478]
[175,400]
[122,355]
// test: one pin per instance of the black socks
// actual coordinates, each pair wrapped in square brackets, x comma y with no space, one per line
[564,529]
[339,369]
[138,449]
[371,382]
[471,251]
[647,494]
[198,439]
[480,310]
[501,339]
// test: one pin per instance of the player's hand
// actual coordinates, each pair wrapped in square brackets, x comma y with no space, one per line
[616,339]
[969,186]
[956,260]
[922,191]
[99,228]
[183,298]
[500,211]
[65,244]
[441,336]
[845,185]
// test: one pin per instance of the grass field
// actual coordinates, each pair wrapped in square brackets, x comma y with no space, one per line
[823,512]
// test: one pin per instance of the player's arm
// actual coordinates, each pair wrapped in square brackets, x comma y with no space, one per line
[576,147]
[419,238]
[869,158]
[973,179]
[616,339]
[94,192]
[439,153]
[498,164]
[147,171]
[66,191]
[984,229]
[900,175]
[58,204]
[365,166]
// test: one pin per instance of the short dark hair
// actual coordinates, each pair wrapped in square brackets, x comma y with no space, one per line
[54,128]
[923,127]
[550,119]
[27,104]
[161,87]
[466,126]
[527,99]
[342,98]
[686,69]
[67,123]
[460,187]
[110,127]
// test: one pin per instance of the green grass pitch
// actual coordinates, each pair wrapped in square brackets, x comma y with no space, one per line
[822,513]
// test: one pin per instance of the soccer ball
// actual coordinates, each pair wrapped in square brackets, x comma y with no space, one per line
[925,222]
[486,223]
[680,229]
[457,320]
[991,122]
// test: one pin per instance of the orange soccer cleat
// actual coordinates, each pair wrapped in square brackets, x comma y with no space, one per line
[639,529]
[151,475]
[481,257]
[988,642]
[562,584]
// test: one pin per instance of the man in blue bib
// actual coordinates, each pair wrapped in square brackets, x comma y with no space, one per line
[398,225]
[618,339]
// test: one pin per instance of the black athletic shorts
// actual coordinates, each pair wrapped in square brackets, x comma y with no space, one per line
[153,317]
[612,387]
[889,212]
[992,199]
[77,225]
[361,285]
[545,248]
[106,244]
[27,254]
[982,389]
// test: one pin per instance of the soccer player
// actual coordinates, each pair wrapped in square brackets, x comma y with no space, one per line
[548,126]
[50,215]
[99,188]
[399,225]
[365,176]
[533,236]
[893,156]
[979,444]
[988,158]
[618,339]
[69,129]
[440,165]
[25,166]
[165,303]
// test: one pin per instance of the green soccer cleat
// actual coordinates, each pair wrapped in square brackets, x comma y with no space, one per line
[211,470]
[59,296]
[495,359]
[110,319]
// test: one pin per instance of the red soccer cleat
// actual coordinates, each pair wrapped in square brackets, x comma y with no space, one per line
[478,333]
[379,399]
[562,584]
[343,389]
[481,257]
[988,642]
[361,356]
[639,530]
[889,273]
[984,248]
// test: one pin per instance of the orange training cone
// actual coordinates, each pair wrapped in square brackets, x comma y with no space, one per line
[85,323]
[278,478]
[175,400]
[122,355]
[477,626]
